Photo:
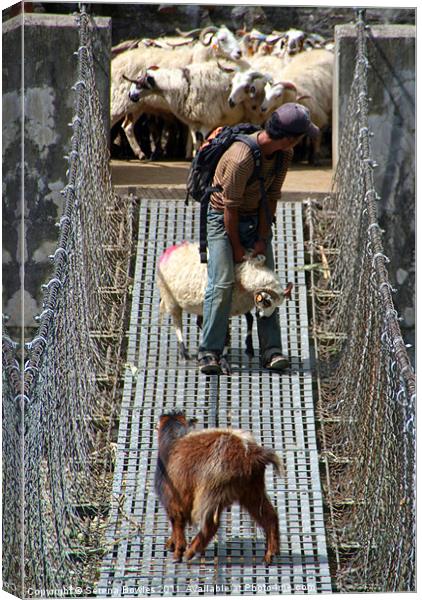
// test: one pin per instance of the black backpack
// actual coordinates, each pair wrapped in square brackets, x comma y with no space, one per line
[201,172]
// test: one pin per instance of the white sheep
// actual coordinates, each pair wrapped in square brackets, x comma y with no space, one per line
[182,280]
[213,43]
[311,73]
[197,95]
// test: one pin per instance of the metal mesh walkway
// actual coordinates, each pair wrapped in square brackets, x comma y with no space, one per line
[277,408]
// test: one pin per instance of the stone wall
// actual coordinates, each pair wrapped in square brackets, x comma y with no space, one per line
[391,53]
[141,19]
[37,108]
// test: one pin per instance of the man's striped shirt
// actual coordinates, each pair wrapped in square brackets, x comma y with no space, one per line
[233,172]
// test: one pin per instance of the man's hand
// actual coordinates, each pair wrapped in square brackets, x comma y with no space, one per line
[260,247]
[239,254]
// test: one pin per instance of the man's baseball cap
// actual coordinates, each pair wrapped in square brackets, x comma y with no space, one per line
[294,119]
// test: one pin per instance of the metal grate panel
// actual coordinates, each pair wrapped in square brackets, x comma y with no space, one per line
[277,408]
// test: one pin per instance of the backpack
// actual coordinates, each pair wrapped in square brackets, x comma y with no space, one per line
[202,169]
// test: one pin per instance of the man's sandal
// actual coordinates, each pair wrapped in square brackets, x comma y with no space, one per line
[209,365]
[277,362]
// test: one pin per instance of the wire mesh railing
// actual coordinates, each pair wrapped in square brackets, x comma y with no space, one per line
[59,406]
[366,382]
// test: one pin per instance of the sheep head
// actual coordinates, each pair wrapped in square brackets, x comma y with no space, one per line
[277,94]
[175,419]
[268,294]
[248,85]
[222,41]
[292,42]
[143,86]
[266,300]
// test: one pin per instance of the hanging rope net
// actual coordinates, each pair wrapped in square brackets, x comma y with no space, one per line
[59,390]
[366,382]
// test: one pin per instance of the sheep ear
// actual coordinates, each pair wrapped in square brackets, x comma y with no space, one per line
[226,69]
[287,293]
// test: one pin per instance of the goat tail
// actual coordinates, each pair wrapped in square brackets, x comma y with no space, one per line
[271,458]
[207,505]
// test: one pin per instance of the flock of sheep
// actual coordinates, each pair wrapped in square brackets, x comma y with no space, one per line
[211,77]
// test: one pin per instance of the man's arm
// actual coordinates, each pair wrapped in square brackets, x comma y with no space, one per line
[231,223]
[273,195]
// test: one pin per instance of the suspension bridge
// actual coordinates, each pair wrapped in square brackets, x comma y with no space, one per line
[81,400]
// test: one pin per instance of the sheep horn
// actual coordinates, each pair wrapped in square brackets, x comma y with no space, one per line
[286,84]
[272,39]
[191,33]
[131,80]
[256,75]
[179,44]
[287,293]
[129,45]
[206,31]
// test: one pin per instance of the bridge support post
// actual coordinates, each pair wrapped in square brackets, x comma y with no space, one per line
[39,69]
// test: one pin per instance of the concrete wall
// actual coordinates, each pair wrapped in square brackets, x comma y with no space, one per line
[391,53]
[39,69]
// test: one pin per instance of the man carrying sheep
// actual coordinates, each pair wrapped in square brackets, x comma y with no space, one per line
[240,219]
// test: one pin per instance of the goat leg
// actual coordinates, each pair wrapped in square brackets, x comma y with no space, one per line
[264,513]
[203,537]
[177,542]
[169,545]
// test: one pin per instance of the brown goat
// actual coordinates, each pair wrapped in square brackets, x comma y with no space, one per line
[200,473]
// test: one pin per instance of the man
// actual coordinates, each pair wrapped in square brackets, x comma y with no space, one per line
[238,220]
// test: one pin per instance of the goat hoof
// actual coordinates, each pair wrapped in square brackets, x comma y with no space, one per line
[189,554]
[178,555]
[268,558]
[169,545]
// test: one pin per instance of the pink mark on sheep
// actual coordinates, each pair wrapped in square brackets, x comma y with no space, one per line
[169,251]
